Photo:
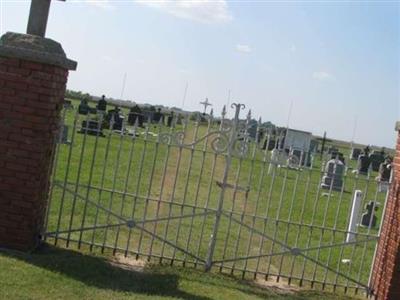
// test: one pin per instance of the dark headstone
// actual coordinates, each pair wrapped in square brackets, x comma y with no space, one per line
[368,218]
[102,104]
[363,164]
[91,127]
[355,153]
[170,119]
[385,170]
[83,108]
[158,116]
[135,113]
[376,159]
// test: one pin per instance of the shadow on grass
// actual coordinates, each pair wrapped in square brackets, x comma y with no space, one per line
[99,272]
[157,280]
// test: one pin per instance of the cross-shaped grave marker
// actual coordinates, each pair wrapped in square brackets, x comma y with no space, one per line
[38,16]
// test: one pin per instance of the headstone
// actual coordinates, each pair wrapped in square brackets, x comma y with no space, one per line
[333,177]
[158,116]
[170,119]
[135,113]
[368,218]
[314,146]
[333,150]
[363,164]
[376,159]
[68,104]
[385,170]
[102,104]
[339,156]
[355,208]
[91,127]
[83,108]
[355,153]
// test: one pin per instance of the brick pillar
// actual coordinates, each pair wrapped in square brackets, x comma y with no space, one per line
[385,279]
[33,76]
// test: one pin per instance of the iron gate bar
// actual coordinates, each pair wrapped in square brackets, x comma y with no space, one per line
[136,196]
[54,172]
[297,224]
[81,229]
[78,175]
[128,173]
[95,204]
[91,171]
[195,137]
[138,182]
[209,123]
[294,251]
[66,176]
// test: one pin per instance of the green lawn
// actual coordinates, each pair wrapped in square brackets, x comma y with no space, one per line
[55,273]
[142,179]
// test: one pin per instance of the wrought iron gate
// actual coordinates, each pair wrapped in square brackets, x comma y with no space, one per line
[207,192]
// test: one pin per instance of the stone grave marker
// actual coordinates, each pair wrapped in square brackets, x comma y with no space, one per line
[355,153]
[363,164]
[368,218]
[333,177]
[102,104]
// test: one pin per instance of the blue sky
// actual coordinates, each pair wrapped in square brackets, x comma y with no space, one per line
[336,61]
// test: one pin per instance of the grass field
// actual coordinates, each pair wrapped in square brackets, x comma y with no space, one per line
[55,273]
[142,179]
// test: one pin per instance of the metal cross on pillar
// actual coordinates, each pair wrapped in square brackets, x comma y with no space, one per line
[38,16]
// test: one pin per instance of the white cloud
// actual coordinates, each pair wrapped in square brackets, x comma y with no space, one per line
[205,11]
[243,48]
[103,4]
[323,76]
[293,48]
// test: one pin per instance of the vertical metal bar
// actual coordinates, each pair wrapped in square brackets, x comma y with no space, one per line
[167,156]
[206,204]
[234,198]
[259,189]
[334,230]
[121,138]
[66,177]
[317,196]
[289,219]
[355,245]
[90,178]
[103,176]
[325,217]
[277,218]
[249,177]
[383,216]
[192,150]
[269,200]
[172,198]
[54,172]
[78,177]
[355,182]
[368,232]
[228,160]
[138,184]
[204,149]
[301,222]
[126,183]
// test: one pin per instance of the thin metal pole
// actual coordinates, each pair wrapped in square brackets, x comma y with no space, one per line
[228,160]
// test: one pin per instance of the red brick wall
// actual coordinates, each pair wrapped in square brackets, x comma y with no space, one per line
[31,96]
[386,269]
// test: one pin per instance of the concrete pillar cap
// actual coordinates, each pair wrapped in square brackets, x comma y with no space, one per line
[36,49]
